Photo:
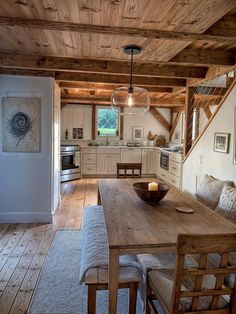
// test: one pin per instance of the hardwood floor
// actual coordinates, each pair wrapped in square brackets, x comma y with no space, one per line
[24,247]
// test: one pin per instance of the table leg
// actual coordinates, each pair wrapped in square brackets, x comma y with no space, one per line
[113,280]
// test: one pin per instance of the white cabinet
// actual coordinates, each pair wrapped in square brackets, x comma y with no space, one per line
[131,155]
[89,161]
[75,116]
[107,158]
[174,174]
[148,161]
[157,166]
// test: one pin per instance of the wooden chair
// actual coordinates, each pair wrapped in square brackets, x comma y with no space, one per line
[192,289]
[124,168]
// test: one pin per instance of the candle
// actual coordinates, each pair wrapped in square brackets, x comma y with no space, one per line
[152,186]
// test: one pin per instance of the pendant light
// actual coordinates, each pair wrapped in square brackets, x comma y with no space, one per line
[131,96]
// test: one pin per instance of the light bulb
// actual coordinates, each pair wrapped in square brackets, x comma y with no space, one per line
[130,100]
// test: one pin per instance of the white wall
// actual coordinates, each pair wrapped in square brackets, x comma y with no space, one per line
[25,185]
[203,159]
[147,121]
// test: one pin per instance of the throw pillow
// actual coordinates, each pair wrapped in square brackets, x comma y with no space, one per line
[227,203]
[210,190]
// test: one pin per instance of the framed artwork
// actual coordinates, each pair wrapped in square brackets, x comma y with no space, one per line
[77,133]
[221,142]
[137,134]
[21,124]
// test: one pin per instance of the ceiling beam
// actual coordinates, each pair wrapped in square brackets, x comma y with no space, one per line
[160,118]
[114,30]
[108,87]
[161,102]
[204,57]
[119,79]
[49,63]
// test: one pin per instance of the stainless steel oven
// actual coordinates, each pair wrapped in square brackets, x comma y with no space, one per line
[164,160]
[70,162]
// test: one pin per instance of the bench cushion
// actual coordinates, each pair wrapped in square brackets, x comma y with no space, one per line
[210,190]
[94,249]
[227,203]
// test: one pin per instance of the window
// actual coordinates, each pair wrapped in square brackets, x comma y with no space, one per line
[107,122]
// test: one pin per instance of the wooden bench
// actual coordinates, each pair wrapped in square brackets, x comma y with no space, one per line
[124,168]
[96,277]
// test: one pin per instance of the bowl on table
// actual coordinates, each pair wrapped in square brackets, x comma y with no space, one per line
[152,197]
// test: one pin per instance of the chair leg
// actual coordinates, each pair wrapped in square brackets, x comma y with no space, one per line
[91,299]
[133,298]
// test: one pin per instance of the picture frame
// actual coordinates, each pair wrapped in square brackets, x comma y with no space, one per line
[221,142]
[77,133]
[137,133]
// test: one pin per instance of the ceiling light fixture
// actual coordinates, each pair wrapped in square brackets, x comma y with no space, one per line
[131,96]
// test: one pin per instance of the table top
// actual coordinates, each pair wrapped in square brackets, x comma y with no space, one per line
[134,226]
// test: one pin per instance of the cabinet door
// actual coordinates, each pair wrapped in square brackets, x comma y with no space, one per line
[157,163]
[131,155]
[145,161]
[113,160]
[148,161]
[102,164]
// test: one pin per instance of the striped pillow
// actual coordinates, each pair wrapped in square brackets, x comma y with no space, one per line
[227,203]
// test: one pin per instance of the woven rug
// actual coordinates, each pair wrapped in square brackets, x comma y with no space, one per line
[58,290]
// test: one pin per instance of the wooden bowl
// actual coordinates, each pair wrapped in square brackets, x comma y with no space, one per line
[152,197]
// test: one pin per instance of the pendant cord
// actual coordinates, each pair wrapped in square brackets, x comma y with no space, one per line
[131,69]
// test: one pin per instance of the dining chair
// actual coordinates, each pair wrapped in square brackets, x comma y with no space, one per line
[195,289]
[129,170]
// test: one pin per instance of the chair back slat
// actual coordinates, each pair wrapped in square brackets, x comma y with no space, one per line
[202,245]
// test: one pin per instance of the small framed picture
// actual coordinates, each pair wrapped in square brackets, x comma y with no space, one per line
[137,133]
[221,142]
[77,133]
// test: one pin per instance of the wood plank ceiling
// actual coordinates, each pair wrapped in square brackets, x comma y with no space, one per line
[80,44]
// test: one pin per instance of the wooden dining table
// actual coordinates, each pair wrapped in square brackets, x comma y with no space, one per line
[136,227]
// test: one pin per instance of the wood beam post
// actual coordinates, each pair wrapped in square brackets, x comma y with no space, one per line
[207,112]
[160,118]
[121,124]
[189,105]
[93,122]
[174,124]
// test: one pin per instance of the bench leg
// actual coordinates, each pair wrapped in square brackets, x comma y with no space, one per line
[91,299]
[133,298]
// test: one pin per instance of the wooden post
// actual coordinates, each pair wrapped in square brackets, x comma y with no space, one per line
[93,122]
[189,104]
[121,124]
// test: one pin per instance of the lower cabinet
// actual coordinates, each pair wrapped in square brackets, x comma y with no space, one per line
[106,163]
[148,161]
[168,177]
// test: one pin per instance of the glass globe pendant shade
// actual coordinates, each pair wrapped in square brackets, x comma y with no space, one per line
[130,97]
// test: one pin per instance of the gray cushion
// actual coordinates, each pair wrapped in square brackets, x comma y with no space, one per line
[210,190]
[163,281]
[227,203]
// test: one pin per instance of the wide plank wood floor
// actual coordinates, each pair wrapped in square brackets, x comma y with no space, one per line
[24,247]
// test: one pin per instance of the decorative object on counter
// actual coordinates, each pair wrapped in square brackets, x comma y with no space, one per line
[66,134]
[77,133]
[130,96]
[161,141]
[133,144]
[150,196]
[21,124]
[151,136]
[151,143]
[221,142]
[152,186]
[137,133]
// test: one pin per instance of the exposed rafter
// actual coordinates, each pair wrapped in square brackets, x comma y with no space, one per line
[29,61]
[160,118]
[113,30]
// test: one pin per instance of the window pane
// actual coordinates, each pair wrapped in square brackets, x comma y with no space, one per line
[107,122]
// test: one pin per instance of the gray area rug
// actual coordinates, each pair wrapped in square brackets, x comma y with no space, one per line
[58,290]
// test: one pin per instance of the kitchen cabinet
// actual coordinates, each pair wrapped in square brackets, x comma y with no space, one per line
[157,165]
[107,159]
[75,116]
[89,161]
[148,161]
[131,155]
[174,174]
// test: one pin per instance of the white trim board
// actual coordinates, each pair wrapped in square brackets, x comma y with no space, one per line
[25,217]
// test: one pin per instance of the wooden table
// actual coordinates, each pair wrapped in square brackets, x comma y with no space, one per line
[134,227]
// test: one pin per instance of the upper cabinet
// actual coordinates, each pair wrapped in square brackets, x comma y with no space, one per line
[78,119]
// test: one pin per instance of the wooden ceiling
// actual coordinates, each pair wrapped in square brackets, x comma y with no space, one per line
[80,44]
